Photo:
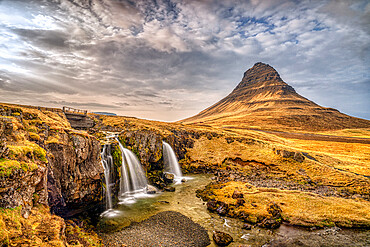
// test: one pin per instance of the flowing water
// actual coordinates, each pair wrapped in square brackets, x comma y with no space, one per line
[183,200]
[107,162]
[171,165]
[133,183]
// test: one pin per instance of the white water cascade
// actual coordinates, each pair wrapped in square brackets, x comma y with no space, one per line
[107,162]
[133,183]
[171,164]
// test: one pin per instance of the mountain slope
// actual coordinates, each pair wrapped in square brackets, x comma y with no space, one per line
[263,99]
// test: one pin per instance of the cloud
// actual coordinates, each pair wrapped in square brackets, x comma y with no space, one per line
[171,59]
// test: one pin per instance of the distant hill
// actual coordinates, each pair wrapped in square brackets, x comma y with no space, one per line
[105,113]
[263,99]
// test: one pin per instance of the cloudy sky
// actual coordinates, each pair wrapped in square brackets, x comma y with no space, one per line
[169,59]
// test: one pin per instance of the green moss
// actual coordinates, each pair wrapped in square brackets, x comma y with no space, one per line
[30,151]
[117,156]
[8,166]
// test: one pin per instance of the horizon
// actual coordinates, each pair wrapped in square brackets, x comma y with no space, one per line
[169,60]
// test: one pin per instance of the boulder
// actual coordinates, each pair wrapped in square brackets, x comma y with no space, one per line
[168,177]
[151,189]
[299,157]
[221,238]
[274,210]
[270,223]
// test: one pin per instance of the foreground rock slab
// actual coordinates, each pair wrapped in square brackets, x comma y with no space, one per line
[167,228]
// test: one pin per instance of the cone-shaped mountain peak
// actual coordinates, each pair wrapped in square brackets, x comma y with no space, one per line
[260,74]
[263,99]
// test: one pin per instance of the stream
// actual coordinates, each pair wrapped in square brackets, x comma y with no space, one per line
[184,201]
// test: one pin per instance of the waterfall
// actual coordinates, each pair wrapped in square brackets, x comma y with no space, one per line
[107,162]
[133,180]
[171,164]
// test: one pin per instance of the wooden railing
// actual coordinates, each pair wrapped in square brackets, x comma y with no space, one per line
[67,109]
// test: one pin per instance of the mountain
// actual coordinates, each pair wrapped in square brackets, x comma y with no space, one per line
[263,100]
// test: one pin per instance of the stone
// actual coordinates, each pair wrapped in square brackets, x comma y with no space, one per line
[168,177]
[183,180]
[274,210]
[169,189]
[270,223]
[298,157]
[221,238]
[151,189]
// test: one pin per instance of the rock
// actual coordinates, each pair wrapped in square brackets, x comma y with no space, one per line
[164,202]
[221,238]
[169,189]
[274,210]
[74,174]
[183,180]
[299,157]
[270,223]
[237,194]
[247,226]
[168,177]
[212,205]
[151,189]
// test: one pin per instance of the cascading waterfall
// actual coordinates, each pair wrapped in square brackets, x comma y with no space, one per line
[133,180]
[171,164]
[107,162]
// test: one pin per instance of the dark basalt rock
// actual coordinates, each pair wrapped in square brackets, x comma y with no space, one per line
[222,239]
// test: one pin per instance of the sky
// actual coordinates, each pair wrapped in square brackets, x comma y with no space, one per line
[169,59]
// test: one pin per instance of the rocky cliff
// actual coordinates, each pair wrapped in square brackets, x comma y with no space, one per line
[263,99]
[44,161]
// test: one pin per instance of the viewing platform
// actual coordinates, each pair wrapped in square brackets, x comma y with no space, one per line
[78,118]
